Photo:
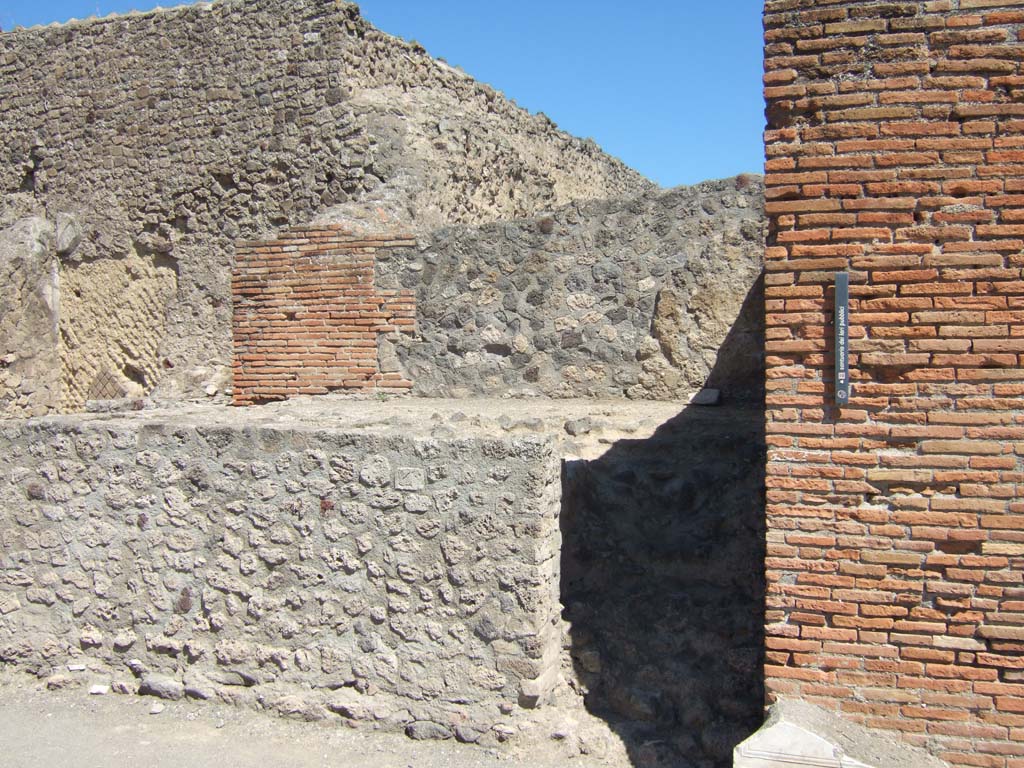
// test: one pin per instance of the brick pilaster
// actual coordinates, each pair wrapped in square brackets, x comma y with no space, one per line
[307,314]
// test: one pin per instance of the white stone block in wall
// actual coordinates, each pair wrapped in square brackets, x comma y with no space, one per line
[787,745]
[800,735]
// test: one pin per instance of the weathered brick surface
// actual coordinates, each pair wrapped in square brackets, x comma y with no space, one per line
[307,314]
[895,551]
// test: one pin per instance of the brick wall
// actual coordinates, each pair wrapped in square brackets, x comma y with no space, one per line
[895,567]
[307,314]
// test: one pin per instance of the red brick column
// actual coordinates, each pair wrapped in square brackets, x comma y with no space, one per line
[895,570]
[307,315]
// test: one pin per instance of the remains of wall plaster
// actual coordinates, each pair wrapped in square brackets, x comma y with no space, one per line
[112,322]
[406,582]
[29,311]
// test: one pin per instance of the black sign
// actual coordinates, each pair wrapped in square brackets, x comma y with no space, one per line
[842,346]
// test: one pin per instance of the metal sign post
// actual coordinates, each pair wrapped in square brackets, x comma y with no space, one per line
[842,342]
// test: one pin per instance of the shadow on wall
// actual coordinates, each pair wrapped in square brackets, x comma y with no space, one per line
[663,570]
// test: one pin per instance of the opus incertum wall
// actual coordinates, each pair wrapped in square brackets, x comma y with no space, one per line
[895,568]
[380,576]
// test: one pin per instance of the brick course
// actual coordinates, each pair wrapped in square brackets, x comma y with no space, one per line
[895,552]
[307,314]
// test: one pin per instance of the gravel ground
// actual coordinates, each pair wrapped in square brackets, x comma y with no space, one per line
[71,729]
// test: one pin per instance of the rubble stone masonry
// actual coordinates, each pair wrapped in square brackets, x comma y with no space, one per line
[377,576]
[895,552]
[649,297]
[166,136]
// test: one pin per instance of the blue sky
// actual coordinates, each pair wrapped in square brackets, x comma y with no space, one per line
[672,87]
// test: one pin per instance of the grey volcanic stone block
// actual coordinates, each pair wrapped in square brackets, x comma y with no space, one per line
[427,730]
[69,234]
[162,687]
[707,396]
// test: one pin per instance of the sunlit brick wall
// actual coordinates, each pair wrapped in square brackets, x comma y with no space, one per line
[307,315]
[895,569]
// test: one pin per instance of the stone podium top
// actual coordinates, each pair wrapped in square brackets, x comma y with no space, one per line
[581,428]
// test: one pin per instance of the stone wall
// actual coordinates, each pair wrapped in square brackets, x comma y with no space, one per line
[663,584]
[409,582]
[637,297]
[895,525]
[29,317]
[307,315]
[163,137]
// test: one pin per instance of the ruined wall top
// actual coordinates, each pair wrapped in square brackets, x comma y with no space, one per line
[165,136]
